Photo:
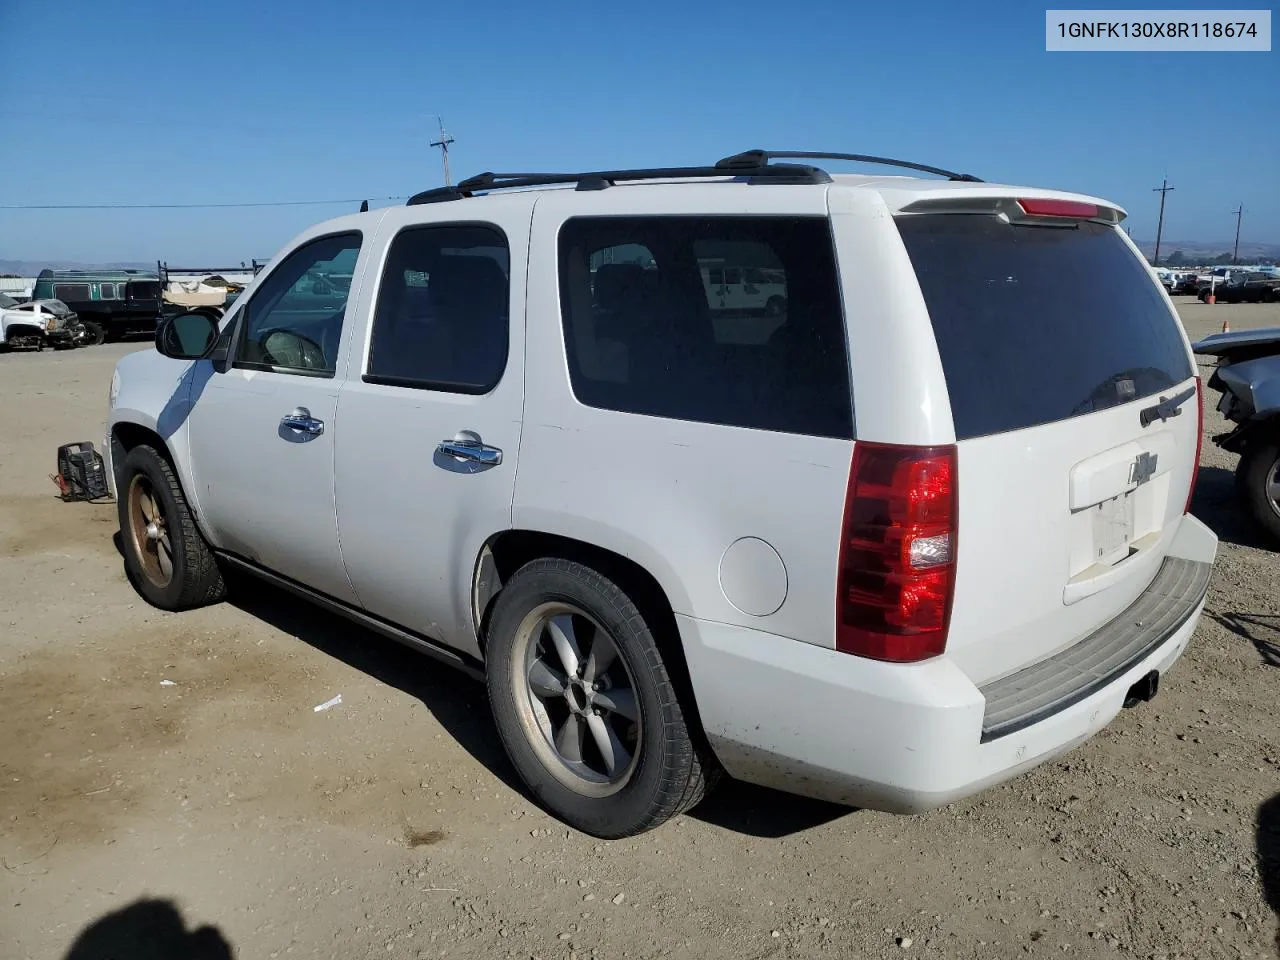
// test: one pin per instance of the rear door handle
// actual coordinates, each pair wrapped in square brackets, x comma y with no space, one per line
[468,446]
[301,419]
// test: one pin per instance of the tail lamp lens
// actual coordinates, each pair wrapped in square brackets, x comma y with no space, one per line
[897,553]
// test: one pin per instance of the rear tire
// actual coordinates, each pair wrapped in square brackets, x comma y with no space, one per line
[166,557]
[585,706]
[1258,481]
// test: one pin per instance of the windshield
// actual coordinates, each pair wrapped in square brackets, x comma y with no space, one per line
[1038,324]
[7,301]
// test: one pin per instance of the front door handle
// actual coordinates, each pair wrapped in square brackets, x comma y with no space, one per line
[468,446]
[301,419]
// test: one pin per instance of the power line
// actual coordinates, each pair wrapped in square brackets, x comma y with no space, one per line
[180,206]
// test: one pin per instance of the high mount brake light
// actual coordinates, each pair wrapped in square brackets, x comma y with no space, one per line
[1058,208]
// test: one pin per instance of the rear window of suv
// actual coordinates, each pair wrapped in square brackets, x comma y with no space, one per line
[1037,324]
[726,320]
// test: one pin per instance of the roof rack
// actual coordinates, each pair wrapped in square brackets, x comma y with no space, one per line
[751,166]
[750,159]
[600,179]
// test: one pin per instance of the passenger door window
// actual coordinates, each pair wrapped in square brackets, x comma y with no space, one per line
[442,316]
[293,323]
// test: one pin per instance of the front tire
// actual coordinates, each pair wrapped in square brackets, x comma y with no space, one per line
[585,705]
[93,332]
[165,555]
[1258,481]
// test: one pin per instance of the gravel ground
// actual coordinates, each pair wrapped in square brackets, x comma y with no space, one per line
[165,776]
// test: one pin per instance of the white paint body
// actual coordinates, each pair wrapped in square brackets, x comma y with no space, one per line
[28,321]
[740,528]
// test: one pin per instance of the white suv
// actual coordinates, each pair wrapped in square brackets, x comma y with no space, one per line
[918,528]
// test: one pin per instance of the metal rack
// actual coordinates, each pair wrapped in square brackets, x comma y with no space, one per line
[751,166]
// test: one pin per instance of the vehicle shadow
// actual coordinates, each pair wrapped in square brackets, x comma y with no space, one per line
[148,929]
[458,702]
[1268,850]
[764,813]
[1215,503]
[1255,627]
[461,705]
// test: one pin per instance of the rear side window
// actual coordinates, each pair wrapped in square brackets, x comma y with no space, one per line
[71,291]
[442,319]
[725,320]
[1037,324]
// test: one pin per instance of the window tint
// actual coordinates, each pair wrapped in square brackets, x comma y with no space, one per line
[1037,324]
[659,334]
[71,291]
[443,305]
[293,323]
[142,290]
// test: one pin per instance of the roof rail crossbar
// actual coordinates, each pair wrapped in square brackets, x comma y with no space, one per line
[596,180]
[752,159]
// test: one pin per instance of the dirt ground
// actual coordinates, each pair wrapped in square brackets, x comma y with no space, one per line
[164,780]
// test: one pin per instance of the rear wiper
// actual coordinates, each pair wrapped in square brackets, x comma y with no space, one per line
[1166,408]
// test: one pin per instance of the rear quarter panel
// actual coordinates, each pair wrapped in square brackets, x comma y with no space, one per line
[674,495]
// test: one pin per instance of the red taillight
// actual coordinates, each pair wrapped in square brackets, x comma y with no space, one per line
[897,552]
[1195,467]
[1058,208]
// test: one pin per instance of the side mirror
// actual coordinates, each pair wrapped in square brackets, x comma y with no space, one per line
[188,336]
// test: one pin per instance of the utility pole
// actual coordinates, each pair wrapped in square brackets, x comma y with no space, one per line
[1235,254]
[443,144]
[1162,190]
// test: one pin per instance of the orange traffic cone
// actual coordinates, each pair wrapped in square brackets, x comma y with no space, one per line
[1226,326]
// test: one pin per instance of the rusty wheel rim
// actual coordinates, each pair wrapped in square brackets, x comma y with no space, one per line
[150,532]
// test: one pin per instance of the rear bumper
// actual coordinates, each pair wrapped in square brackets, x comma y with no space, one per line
[901,738]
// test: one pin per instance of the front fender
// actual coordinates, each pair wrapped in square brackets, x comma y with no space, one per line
[156,393]
[1255,383]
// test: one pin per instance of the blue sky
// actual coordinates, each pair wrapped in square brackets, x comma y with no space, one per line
[138,101]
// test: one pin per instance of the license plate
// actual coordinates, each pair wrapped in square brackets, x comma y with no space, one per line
[1112,529]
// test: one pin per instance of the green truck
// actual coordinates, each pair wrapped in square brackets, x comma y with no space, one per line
[110,303]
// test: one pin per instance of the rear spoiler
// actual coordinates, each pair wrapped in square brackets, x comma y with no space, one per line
[1048,211]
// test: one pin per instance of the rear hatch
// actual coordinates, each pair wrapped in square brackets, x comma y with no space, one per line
[1060,353]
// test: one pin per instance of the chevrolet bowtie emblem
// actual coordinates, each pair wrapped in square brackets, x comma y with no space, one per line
[1143,468]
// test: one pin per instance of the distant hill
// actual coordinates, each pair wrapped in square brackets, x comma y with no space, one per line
[1195,250]
[30,268]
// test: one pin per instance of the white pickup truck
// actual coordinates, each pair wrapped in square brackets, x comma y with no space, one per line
[36,323]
